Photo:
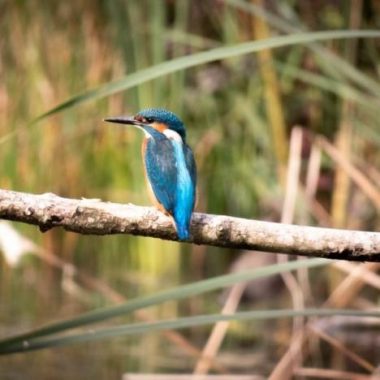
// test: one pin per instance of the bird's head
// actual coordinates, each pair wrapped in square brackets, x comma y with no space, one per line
[157,118]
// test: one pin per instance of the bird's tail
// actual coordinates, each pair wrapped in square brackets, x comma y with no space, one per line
[183,231]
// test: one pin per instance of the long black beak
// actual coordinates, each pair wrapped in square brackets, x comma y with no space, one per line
[130,120]
[124,120]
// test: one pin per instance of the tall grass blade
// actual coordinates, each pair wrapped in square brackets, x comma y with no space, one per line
[188,61]
[330,62]
[177,293]
[180,323]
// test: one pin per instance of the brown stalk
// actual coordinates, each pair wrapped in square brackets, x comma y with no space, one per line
[272,94]
[288,210]
[233,299]
[357,176]
[330,374]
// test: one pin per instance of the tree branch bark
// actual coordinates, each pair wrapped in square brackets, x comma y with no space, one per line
[95,217]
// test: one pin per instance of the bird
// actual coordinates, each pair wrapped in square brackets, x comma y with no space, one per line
[170,168]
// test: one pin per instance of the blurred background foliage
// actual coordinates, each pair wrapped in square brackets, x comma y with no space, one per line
[239,113]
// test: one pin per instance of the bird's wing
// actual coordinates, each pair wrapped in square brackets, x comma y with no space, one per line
[190,164]
[161,170]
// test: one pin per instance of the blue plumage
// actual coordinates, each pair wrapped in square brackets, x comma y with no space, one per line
[160,168]
[161,115]
[169,164]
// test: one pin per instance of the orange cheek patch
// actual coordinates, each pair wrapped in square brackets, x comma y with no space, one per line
[159,127]
[143,147]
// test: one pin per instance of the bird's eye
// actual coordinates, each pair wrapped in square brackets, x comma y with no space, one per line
[142,119]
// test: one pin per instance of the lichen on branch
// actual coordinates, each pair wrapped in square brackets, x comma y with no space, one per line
[87,216]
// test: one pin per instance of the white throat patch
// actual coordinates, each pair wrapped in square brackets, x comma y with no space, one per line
[172,135]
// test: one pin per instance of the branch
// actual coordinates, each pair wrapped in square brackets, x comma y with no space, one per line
[103,218]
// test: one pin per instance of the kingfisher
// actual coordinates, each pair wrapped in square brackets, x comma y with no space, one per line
[169,164]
